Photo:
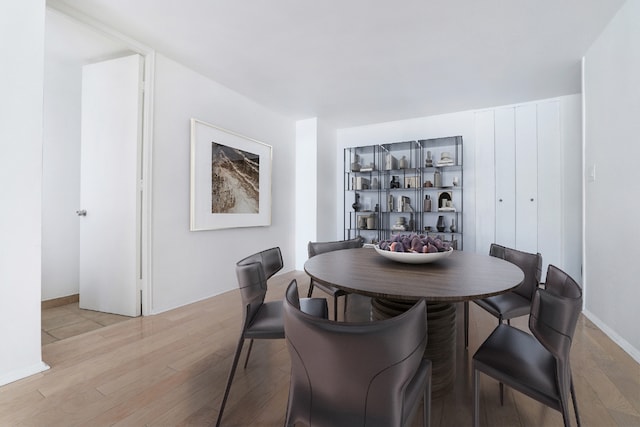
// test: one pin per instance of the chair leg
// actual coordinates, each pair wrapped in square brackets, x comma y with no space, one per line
[575,403]
[248,353]
[466,324]
[427,401]
[344,310]
[476,398]
[335,308]
[310,290]
[232,372]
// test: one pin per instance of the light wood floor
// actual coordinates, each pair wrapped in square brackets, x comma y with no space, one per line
[69,320]
[170,370]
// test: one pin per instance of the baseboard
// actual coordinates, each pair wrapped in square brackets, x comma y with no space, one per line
[624,344]
[57,302]
[18,374]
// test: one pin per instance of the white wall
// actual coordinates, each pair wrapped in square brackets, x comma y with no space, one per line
[21,86]
[306,200]
[61,178]
[612,131]
[327,179]
[189,266]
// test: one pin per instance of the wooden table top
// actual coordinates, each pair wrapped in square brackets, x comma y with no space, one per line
[461,276]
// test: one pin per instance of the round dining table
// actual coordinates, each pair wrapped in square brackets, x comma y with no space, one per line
[394,287]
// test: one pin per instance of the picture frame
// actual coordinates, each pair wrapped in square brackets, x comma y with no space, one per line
[230,179]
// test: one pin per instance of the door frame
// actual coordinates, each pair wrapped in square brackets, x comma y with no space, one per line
[144,185]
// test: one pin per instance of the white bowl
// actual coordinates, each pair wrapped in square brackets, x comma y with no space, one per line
[413,257]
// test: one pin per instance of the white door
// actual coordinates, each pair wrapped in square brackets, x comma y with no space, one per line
[526,178]
[505,155]
[111,137]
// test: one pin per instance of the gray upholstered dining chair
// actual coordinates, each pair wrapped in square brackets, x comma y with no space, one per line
[537,365]
[316,248]
[260,319]
[356,374]
[517,302]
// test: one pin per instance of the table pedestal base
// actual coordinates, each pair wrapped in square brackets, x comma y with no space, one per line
[441,337]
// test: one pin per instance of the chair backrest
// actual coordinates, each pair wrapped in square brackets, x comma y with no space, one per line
[252,273]
[555,311]
[270,259]
[531,265]
[347,374]
[316,248]
[253,288]
[553,318]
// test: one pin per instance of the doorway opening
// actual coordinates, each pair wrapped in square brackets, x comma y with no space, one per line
[71,43]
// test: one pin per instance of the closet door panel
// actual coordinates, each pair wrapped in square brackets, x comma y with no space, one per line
[526,178]
[550,184]
[505,177]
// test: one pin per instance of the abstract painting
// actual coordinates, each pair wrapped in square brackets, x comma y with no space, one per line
[230,179]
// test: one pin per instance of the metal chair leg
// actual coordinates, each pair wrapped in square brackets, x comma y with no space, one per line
[466,324]
[232,372]
[575,403]
[476,398]
[248,353]
[310,290]
[427,400]
[335,308]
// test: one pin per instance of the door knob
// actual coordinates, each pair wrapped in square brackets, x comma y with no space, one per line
[81,212]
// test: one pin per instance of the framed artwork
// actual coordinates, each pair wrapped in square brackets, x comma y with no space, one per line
[230,179]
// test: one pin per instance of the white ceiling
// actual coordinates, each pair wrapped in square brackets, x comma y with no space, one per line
[354,62]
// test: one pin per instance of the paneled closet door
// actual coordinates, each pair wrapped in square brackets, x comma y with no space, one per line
[550,184]
[526,155]
[505,154]
[484,179]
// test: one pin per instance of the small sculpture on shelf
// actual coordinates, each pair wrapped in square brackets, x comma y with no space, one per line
[428,163]
[362,222]
[356,204]
[394,182]
[453,225]
[427,203]
[400,225]
[440,224]
[404,164]
[437,179]
[445,159]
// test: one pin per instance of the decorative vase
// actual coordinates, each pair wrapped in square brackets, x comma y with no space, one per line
[428,161]
[427,203]
[440,224]
[371,222]
[356,204]
[453,225]
[404,164]
[437,179]
[355,166]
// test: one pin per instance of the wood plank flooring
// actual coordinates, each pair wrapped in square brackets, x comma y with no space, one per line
[68,320]
[170,370]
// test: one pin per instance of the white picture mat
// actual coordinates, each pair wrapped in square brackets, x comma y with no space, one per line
[202,136]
